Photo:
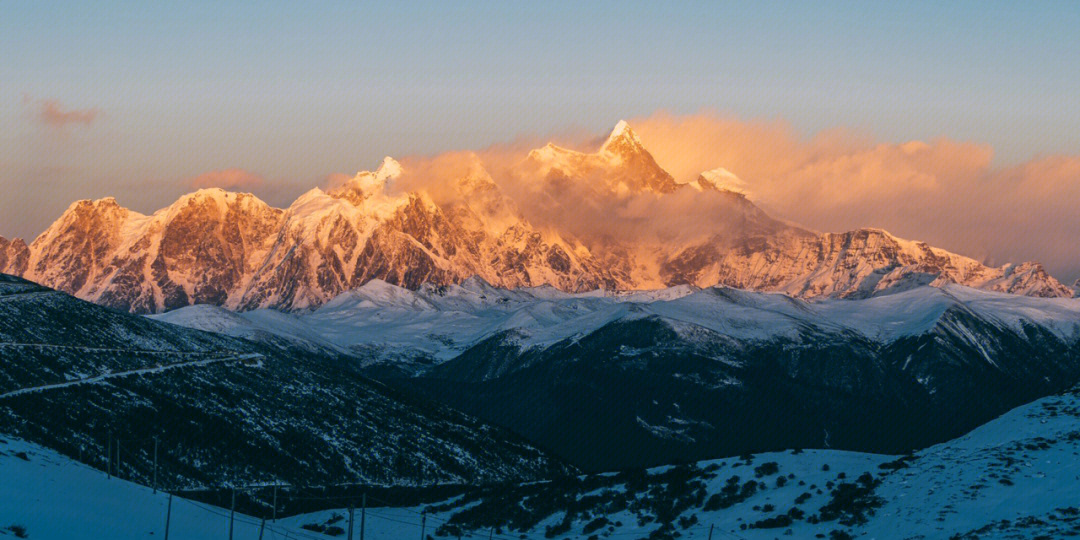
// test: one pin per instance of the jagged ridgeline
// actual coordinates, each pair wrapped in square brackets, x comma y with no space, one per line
[92,382]
[234,250]
[723,372]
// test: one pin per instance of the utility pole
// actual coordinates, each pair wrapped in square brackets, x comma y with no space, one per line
[350,520]
[423,523]
[274,518]
[232,514]
[363,513]
[108,458]
[168,516]
[155,464]
[710,532]
[118,458]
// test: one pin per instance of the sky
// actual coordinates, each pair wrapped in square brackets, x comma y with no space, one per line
[146,100]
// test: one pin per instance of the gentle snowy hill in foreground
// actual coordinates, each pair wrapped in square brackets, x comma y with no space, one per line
[1015,477]
[53,498]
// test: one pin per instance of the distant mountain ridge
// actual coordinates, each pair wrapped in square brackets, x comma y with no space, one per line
[234,250]
[73,374]
[612,380]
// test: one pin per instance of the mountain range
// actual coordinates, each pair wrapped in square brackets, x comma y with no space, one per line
[610,380]
[233,250]
[77,377]
[494,331]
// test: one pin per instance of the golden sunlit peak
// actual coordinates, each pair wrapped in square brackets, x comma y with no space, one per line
[622,137]
[389,168]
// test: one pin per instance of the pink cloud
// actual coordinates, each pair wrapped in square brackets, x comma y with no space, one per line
[225,179]
[335,180]
[942,191]
[53,113]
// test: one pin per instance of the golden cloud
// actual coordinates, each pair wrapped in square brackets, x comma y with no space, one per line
[225,179]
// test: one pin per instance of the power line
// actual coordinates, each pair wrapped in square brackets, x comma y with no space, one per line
[241,518]
[291,492]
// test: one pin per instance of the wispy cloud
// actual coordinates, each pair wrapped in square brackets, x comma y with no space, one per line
[225,179]
[54,114]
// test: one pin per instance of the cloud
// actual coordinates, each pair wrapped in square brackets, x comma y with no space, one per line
[942,191]
[225,179]
[582,208]
[53,113]
[335,180]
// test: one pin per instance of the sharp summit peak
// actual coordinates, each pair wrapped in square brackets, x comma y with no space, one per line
[622,136]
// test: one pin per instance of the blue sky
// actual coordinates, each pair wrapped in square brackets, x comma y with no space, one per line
[296,90]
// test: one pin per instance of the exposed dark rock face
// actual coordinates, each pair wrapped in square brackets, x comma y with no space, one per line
[14,255]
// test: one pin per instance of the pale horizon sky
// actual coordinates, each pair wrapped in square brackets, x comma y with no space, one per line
[133,100]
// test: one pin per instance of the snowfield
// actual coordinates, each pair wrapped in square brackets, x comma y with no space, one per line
[1015,477]
[51,496]
[441,321]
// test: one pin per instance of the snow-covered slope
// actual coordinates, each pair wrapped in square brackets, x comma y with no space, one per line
[47,496]
[74,375]
[1014,477]
[261,325]
[233,250]
[722,180]
[441,321]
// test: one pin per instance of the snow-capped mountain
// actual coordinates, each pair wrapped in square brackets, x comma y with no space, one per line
[674,374]
[722,180]
[233,250]
[620,166]
[440,321]
[202,249]
[856,264]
